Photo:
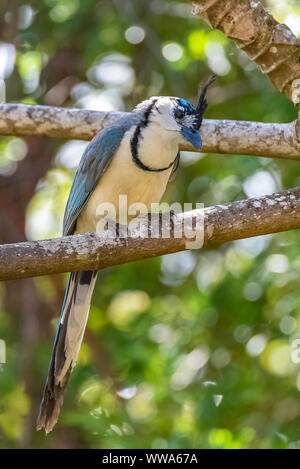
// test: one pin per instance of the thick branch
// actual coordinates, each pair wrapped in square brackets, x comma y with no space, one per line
[219,136]
[272,45]
[236,220]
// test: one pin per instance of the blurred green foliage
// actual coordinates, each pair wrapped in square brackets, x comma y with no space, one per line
[197,344]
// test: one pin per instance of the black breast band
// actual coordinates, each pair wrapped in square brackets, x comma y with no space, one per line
[134,143]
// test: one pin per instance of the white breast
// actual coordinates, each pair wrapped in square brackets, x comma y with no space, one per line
[123,177]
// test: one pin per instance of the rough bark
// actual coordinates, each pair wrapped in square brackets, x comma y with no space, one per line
[271,45]
[219,136]
[91,251]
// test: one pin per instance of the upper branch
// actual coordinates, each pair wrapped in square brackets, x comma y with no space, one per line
[93,251]
[219,136]
[272,45]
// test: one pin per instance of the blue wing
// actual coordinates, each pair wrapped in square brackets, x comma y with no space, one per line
[95,160]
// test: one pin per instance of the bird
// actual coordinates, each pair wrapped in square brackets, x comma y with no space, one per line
[136,156]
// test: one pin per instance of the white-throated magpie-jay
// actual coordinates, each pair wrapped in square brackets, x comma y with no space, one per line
[136,157]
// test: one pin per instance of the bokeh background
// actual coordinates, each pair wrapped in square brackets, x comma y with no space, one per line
[192,350]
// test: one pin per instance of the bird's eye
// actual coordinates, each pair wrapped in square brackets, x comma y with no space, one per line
[179,114]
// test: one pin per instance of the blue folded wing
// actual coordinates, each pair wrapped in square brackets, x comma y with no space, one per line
[95,160]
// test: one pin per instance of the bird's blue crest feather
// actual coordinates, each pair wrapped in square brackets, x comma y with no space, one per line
[186,105]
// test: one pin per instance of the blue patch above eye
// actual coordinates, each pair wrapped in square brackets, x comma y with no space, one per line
[186,105]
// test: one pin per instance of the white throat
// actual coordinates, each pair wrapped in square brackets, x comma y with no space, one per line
[157,147]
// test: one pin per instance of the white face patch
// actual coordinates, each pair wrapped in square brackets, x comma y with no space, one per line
[188,120]
[163,114]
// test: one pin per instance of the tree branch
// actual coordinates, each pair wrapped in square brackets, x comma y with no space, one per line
[271,45]
[219,136]
[91,251]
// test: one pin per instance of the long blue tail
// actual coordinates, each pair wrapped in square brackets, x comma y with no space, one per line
[73,319]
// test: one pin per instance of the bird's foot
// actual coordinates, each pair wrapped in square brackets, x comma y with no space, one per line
[119,230]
